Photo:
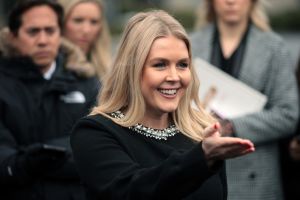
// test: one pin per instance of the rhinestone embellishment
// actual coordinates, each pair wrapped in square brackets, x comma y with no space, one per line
[159,134]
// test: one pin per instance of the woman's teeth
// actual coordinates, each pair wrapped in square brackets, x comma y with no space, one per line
[169,92]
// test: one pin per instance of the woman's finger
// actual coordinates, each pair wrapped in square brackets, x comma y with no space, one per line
[211,130]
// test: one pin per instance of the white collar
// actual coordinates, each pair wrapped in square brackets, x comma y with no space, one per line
[48,74]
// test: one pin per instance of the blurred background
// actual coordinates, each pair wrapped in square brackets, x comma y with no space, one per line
[284,16]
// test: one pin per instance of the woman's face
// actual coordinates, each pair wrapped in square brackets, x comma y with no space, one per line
[83,25]
[232,12]
[166,75]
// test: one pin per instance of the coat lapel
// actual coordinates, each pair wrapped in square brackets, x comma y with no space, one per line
[203,45]
[256,56]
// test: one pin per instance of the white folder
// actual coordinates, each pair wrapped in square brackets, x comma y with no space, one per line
[224,95]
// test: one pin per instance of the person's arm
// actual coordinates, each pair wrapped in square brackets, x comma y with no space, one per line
[24,164]
[110,173]
[20,165]
[279,118]
[67,171]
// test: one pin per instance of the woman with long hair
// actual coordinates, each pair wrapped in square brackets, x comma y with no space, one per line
[144,139]
[87,35]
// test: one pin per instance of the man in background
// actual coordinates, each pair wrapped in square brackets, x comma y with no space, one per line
[39,102]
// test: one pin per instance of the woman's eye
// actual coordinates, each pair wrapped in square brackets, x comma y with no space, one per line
[159,65]
[78,20]
[183,64]
[94,22]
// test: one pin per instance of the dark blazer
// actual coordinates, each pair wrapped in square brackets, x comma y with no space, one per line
[267,68]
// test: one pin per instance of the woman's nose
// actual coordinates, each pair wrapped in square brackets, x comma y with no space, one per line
[173,74]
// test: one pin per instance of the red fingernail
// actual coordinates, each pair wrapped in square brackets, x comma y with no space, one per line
[215,126]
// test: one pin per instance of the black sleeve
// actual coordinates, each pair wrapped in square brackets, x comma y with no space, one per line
[21,165]
[67,171]
[10,172]
[110,173]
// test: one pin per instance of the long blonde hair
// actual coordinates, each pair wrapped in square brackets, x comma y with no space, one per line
[121,86]
[100,54]
[206,14]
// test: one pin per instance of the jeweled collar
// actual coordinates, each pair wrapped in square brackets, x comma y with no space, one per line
[159,134]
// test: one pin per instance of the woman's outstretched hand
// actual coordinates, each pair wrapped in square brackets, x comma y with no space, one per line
[218,148]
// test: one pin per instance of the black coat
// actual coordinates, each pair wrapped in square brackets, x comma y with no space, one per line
[117,163]
[34,110]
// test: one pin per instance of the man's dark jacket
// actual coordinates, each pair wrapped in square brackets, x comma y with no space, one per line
[34,110]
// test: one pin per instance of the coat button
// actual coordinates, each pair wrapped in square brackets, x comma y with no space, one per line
[252,175]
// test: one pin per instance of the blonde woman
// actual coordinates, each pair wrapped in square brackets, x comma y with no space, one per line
[87,35]
[144,140]
[234,35]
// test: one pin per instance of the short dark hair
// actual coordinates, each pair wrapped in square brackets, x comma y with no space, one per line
[15,15]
